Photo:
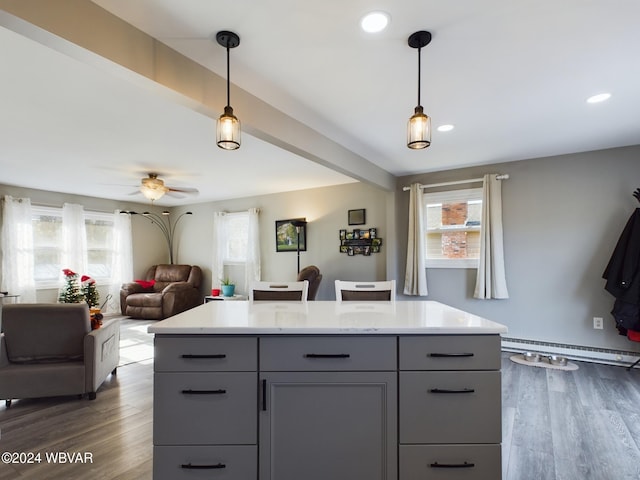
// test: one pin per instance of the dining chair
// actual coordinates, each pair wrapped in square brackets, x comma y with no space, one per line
[279,291]
[366,291]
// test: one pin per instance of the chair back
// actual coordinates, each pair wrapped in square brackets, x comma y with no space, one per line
[164,275]
[313,275]
[279,291]
[45,332]
[366,291]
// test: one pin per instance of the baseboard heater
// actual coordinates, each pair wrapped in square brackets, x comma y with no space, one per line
[574,352]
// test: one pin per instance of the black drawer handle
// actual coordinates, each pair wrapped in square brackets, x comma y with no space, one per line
[204,392]
[449,355]
[213,355]
[203,467]
[327,355]
[445,390]
[264,395]
[452,465]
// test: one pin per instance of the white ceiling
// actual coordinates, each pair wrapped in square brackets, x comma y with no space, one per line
[511,76]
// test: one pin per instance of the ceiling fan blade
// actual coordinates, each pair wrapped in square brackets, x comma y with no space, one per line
[184,190]
[175,194]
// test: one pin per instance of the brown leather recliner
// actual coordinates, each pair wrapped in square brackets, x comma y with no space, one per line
[176,289]
[314,277]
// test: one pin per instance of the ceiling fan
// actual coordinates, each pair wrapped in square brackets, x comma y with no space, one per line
[153,188]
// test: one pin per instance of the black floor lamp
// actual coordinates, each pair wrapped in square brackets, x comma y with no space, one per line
[298,224]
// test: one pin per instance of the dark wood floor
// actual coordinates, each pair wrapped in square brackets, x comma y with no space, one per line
[557,425]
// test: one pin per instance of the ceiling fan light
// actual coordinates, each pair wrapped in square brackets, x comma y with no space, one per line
[419,130]
[153,188]
[228,130]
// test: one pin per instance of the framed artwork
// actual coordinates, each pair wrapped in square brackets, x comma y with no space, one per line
[357,217]
[287,235]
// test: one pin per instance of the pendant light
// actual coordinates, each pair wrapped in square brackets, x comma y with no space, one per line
[419,127]
[228,126]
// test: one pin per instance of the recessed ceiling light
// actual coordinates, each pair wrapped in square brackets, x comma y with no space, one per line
[374,22]
[601,97]
[445,128]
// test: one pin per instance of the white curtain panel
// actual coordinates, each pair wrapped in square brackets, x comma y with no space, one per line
[74,239]
[122,259]
[252,265]
[219,244]
[491,281]
[17,249]
[415,279]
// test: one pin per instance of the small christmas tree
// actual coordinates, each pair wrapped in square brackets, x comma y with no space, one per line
[90,291]
[70,293]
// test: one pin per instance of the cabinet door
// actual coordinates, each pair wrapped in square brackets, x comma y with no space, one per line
[328,425]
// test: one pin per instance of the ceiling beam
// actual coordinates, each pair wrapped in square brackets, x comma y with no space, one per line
[83,30]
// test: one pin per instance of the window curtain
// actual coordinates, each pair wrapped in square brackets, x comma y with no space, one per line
[17,249]
[121,260]
[415,279]
[74,239]
[252,265]
[219,244]
[491,281]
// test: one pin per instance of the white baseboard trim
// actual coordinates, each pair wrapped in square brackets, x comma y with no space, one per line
[574,352]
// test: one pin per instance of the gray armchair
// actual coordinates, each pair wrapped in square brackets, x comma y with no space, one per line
[175,288]
[49,350]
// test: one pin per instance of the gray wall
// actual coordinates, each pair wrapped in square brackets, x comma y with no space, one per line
[562,217]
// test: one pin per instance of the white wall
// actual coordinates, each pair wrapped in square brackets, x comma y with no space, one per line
[147,248]
[562,218]
[326,211]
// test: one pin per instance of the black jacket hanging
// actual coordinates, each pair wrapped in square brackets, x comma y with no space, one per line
[623,276]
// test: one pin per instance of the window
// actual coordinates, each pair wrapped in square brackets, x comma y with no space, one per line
[237,238]
[99,227]
[453,223]
[48,246]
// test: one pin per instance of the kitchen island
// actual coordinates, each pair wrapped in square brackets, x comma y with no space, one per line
[341,390]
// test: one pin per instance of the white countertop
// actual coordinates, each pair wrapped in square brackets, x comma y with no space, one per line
[325,318]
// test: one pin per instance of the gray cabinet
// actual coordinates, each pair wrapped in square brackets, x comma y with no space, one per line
[327,404]
[328,425]
[205,399]
[317,407]
[450,407]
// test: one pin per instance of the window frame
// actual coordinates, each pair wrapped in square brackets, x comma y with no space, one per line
[454,195]
[42,210]
[229,260]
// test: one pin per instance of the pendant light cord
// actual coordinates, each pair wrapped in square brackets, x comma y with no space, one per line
[228,80]
[419,70]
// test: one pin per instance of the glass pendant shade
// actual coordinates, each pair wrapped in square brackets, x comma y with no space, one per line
[419,130]
[228,130]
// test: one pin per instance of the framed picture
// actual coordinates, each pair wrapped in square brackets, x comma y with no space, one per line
[343,234]
[357,217]
[288,232]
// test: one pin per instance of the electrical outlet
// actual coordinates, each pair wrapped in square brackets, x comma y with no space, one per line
[597,323]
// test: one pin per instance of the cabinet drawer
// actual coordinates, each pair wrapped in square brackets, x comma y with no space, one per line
[205,408]
[330,353]
[450,352]
[450,407]
[224,463]
[200,353]
[459,462]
